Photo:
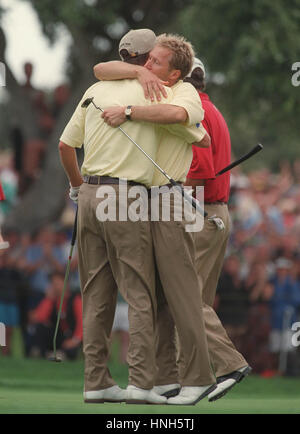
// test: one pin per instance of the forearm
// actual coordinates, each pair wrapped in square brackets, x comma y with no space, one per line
[115,70]
[69,162]
[159,114]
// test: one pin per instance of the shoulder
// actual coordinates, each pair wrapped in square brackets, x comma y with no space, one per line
[185,88]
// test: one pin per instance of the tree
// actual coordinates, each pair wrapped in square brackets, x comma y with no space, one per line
[249,49]
[95,27]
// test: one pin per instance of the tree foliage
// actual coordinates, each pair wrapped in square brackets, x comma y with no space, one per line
[98,25]
[95,27]
[249,49]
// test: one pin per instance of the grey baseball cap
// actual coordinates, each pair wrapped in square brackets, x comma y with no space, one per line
[137,42]
[197,64]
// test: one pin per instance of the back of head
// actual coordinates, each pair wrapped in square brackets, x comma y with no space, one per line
[135,46]
[197,75]
[183,52]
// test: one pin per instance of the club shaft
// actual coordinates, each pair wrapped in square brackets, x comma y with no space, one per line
[62,300]
[140,148]
[253,151]
[190,199]
[73,240]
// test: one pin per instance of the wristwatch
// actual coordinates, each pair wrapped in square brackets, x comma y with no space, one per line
[128,112]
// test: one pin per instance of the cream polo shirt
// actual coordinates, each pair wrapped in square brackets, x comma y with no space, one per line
[174,153]
[107,151]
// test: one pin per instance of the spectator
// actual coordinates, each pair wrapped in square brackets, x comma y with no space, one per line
[259,318]
[3,244]
[42,258]
[34,143]
[9,191]
[18,245]
[9,312]
[43,321]
[232,301]
[60,97]
[285,304]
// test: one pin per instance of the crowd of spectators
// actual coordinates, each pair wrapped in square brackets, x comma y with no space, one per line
[258,296]
[32,274]
[32,269]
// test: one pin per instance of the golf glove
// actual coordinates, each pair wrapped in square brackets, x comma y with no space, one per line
[218,222]
[73,193]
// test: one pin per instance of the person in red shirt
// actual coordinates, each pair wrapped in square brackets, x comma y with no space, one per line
[206,164]
[228,364]
[3,244]
[43,319]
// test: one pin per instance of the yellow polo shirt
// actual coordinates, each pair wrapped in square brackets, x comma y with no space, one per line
[174,153]
[107,151]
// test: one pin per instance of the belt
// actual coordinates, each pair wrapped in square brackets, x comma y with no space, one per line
[166,185]
[97,180]
[215,203]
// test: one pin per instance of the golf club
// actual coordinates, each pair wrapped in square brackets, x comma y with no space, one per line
[175,184]
[254,151]
[54,358]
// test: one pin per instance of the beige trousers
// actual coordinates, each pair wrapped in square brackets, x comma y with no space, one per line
[175,261]
[210,247]
[115,255]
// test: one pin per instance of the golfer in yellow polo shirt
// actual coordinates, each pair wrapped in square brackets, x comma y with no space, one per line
[173,246]
[115,254]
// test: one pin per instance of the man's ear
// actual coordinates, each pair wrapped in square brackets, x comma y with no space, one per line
[175,75]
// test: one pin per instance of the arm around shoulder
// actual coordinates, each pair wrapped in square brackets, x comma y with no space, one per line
[115,70]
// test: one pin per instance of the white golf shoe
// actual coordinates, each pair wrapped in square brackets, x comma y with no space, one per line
[135,395]
[190,395]
[227,382]
[111,394]
[167,390]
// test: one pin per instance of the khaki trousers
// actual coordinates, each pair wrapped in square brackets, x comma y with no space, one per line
[210,252]
[115,255]
[210,247]
[175,261]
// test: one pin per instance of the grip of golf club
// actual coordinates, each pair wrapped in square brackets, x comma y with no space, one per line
[256,149]
[188,197]
[74,234]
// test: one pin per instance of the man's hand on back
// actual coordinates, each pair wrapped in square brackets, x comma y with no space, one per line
[152,85]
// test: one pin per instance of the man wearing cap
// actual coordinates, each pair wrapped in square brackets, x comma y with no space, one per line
[115,254]
[228,364]
[173,245]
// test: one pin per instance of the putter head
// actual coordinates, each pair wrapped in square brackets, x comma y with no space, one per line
[54,359]
[87,102]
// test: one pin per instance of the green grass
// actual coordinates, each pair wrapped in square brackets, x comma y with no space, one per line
[39,386]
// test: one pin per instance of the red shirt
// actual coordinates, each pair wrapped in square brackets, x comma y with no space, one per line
[2,196]
[209,161]
[45,308]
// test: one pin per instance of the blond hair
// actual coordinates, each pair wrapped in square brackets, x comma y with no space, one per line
[182,52]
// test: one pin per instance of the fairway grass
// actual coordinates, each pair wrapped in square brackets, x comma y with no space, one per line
[41,387]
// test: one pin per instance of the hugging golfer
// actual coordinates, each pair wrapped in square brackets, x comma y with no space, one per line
[115,255]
